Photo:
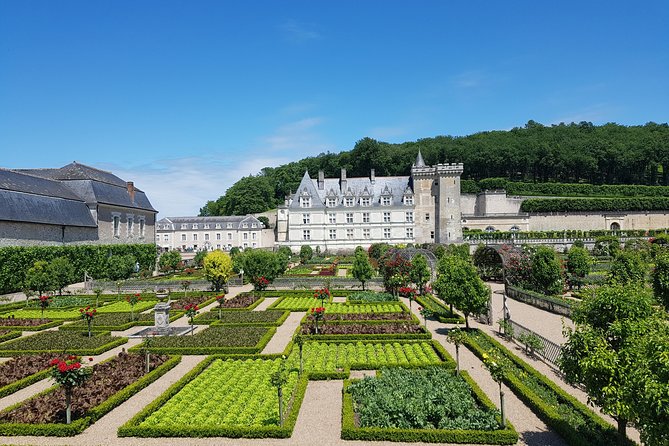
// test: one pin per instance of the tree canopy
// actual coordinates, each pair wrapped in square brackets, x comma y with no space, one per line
[459,284]
[217,268]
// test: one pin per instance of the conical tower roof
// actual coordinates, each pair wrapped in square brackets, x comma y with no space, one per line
[420,162]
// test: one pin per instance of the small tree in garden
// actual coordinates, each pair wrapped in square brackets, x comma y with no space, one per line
[170,260]
[98,293]
[627,268]
[148,340]
[531,342]
[409,293]
[362,268]
[221,300]
[459,284]
[217,269]
[419,273]
[496,367]
[456,337]
[119,285]
[185,285]
[88,314]
[323,294]
[278,380]
[425,312]
[44,302]
[578,265]
[299,341]
[132,300]
[62,273]
[505,328]
[318,314]
[69,374]
[120,267]
[306,253]
[38,278]
[546,270]
[191,312]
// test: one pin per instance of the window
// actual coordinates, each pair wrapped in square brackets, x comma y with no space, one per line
[305,202]
[306,234]
[615,226]
[117,225]
[206,226]
[366,201]
[218,236]
[206,236]
[366,233]
[385,201]
[386,217]
[514,228]
[349,217]
[142,227]
[333,234]
[427,216]
[229,235]
[332,202]
[332,218]
[408,200]
[245,225]
[365,217]
[246,245]
[166,237]
[218,246]
[218,226]
[408,217]
[131,226]
[432,235]
[410,233]
[194,225]
[254,244]
[349,202]
[254,225]
[490,229]
[386,232]
[183,237]
[253,235]
[306,218]
[229,225]
[194,237]
[349,234]
[246,236]
[184,226]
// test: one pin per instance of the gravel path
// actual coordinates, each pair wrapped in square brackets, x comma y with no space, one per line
[284,333]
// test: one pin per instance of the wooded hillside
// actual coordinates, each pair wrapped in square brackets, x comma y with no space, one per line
[564,153]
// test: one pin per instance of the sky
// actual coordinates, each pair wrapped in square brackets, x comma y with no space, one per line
[186,97]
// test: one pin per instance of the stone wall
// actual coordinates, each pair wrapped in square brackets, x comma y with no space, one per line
[34,234]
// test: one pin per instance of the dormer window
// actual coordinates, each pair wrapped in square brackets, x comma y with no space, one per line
[184,226]
[245,225]
[206,226]
[332,202]
[305,202]
[194,225]
[408,200]
[365,201]
[229,225]
[349,202]
[385,200]
[253,225]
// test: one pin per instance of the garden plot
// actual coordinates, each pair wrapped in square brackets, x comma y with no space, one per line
[307,303]
[72,342]
[260,318]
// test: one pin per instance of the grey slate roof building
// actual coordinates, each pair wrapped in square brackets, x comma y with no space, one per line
[72,204]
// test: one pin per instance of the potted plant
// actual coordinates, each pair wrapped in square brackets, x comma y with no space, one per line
[161,294]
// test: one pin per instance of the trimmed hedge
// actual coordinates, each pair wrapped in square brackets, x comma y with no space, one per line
[545,205]
[349,430]
[10,335]
[78,425]
[414,320]
[16,260]
[44,326]
[243,318]
[601,433]
[25,382]
[113,322]
[368,337]
[74,343]
[439,311]
[569,189]
[132,428]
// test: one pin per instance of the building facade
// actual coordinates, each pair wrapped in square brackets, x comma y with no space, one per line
[74,204]
[188,234]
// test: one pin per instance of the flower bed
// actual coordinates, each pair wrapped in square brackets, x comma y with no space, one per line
[22,371]
[7,323]
[201,301]
[125,307]
[249,318]
[222,398]
[117,321]
[73,342]
[306,303]
[48,314]
[439,311]
[389,328]
[575,422]
[243,301]
[213,340]
[431,404]
[111,383]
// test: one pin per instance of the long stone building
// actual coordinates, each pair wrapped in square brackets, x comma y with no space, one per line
[74,204]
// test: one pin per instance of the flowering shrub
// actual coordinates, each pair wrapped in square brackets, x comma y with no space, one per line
[260,283]
[44,302]
[323,294]
[407,291]
[69,374]
[88,315]
[317,314]
[191,312]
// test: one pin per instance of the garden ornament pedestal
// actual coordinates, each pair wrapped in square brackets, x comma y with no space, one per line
[162,324]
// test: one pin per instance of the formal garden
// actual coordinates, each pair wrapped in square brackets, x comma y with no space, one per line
[412,358]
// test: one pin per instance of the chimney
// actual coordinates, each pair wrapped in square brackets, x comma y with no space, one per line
[342,182]
[321,180]
[131,190]
[372,176]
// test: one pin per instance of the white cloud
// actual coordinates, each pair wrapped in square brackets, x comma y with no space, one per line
[295,137]
[298,32]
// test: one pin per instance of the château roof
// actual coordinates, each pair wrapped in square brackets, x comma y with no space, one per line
[419,160]
[172,223]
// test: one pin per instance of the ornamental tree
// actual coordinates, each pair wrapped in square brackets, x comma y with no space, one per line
[191,310]
[220,300]
[88,314]
[456,337]
[258,263]
[546,270]
[120,267]
[44,302]
[306,253]
[362,268]
[38,278]
[170,260]
[497,366]
[459,284]
[578,265]
[627,268]
[420,272]
[318,314]
[62,273]
[323,294]
[279,379]
[395,271]
[133,299]
[69,374]
[217,269]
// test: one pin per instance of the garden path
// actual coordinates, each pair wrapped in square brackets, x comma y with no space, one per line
[265,303]
[284,333]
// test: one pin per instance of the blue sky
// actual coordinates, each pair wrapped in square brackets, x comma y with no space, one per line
[185,97]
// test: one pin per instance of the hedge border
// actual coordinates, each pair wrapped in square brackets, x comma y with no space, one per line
[32,328]
[80,352]
[297,310]
[74,327]
[13,334]
[349,431]
[210,350]
[94,414]
[457,319]
[24,382]
[132,427]
[414,320]
[544,411]
[276,323]
[370,337]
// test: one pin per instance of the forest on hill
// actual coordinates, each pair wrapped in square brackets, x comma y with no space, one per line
[562,153]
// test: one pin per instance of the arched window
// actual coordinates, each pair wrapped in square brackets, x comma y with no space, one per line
[490,229]
[514,228]
[615,226]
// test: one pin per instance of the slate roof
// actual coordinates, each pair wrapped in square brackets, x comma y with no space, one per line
[236,220]
[396,187]
[77,171]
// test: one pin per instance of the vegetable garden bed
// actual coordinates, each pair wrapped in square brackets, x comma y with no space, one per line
[243,301]
[6,335]
[248,318]
[386,328]
[72,342]
[27,324]
[125,307]
[427,405]
[117,321]
[213,340]
[440,312]
[23,371]
[228,398]
[307,303]
[111,383]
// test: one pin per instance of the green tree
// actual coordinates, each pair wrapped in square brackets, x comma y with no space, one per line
[39,279]
[362,268]
[306,253]
[217,269]
[420,272]
[265,221]
[120,267]
[488,262]
[597,354]
[627,268]
[198,260]
[578,265]
[461,251]
[257,263]
[62,273]
[170,260]
[606,245]
[661,279]
[546,270]
[459,284]
[284,255]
